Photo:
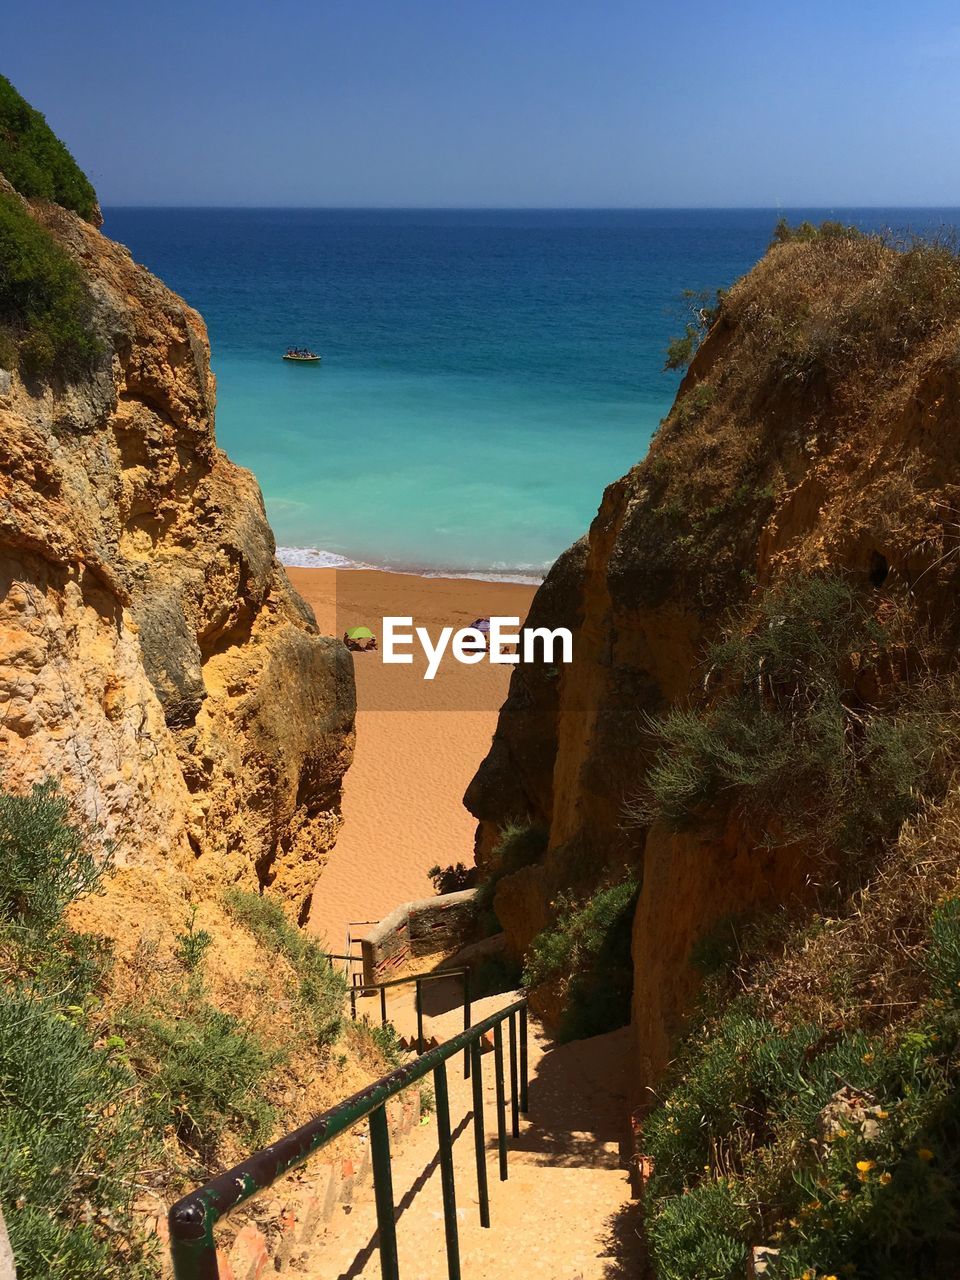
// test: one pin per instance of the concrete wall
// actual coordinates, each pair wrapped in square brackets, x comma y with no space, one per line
[423,928]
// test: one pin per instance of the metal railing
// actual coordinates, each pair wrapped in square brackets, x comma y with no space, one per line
[362,989]
[350,959]
[192,1219]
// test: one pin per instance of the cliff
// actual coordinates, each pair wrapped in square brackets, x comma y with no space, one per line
[153,656]
[173,735]
[814,438]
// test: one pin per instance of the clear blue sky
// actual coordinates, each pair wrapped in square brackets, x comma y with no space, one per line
[498,102]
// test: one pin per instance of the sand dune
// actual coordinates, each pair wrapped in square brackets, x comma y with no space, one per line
[418,742]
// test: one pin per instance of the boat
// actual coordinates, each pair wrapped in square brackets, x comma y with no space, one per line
[301,355]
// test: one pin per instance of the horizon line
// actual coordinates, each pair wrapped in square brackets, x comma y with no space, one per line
[478,208]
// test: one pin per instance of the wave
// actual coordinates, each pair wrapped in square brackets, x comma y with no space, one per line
[314,558]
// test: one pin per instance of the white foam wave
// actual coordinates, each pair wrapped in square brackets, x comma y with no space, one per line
[314,558]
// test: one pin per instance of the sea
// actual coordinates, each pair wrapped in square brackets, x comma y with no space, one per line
[485,373]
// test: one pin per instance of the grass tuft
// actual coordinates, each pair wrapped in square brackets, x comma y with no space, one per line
[795,732]
[321,987]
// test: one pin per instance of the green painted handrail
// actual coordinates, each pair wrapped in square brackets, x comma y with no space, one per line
[193,1218]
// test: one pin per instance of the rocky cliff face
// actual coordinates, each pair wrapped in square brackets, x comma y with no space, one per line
[153,655]
[817,428]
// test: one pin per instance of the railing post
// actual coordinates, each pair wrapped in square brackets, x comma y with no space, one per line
[478,1138]
[466,1020]
[353,1003]
[446,1171]
[524,1082]
[501,1104]
[383,1193]
[383,1006]
[194,1255]
[419,1016]
[514,1100]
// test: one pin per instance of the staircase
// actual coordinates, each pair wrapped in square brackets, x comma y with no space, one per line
[564,1210]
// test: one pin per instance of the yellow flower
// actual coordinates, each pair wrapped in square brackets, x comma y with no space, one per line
[868,1058]
[865,1165]
[843,1133]
[886,1179]
[925,1153]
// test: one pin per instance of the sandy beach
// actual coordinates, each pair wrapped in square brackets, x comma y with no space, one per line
[418,742]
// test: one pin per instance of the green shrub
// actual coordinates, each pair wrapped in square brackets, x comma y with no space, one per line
[71,1141]
[706,307]
[45,860]
[71,1131]
[70,968]
[35,161]
[588,947]
[205,1070]
[46,313]
[700,1234]
[521,844]
[837,1146]
[680,351]
[808,232]
[322,987]
[786,737]
[193,944]
[452,878]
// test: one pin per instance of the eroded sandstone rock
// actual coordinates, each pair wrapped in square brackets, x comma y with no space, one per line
[816,430]
[153,655]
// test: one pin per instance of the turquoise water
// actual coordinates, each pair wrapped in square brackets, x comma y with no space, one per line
[485,374]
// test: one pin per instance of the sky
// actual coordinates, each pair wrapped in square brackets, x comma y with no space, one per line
[498,103]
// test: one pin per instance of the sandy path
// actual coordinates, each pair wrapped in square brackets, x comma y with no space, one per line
[418,742]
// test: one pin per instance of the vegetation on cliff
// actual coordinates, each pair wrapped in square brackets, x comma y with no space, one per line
[814,1105]
[46,313]
[811,1109]
[45,309]
[765,686]
[585,951]
[36,162]
[119,1085]
[71,1127]
[794,732]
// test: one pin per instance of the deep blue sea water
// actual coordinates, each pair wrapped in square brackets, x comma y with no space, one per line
[485,374]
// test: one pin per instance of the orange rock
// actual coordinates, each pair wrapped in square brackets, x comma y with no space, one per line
[142,585]
[248,1257]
